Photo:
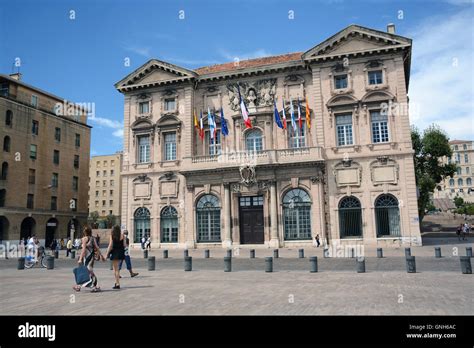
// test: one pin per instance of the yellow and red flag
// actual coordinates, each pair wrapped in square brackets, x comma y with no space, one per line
[308,115]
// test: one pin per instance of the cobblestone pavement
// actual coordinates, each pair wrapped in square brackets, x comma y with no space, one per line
[438,288]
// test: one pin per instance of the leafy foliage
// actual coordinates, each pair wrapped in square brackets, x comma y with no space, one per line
[430,148]
[458,202]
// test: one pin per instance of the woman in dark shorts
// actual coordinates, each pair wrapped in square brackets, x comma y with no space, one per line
[116,250]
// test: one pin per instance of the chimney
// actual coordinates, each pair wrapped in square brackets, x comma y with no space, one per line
[391,28]
[16,76]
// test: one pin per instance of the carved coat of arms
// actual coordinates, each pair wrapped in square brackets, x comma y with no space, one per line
[247,174]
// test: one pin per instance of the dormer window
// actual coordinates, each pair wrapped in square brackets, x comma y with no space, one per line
[170,104]
[340,81]
[375,77]
[144,108]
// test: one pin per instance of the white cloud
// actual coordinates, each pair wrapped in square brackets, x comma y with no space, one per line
[244,56]
[141,51]
[118,133]
[442,79]
[108,123]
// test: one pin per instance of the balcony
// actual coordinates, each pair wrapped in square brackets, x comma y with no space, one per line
[265,157]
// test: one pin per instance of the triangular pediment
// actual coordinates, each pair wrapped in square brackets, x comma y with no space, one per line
[356,39]
[155,71]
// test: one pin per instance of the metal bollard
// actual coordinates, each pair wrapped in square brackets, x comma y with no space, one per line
[301,253]
[206,253]
[438,252]
[186,253]
[145,254]
[275,253]
[469,251]
[313,260]
[227,264]
[165,254]
[360,265]
[465,264]
[252,253]
[269,264]
[326,253]
[379,253]
[352,253]
[188,263]
[73,254]
[411,265]
[407,252]
[151,263]
[229,253]
[49,262]
[21,263]
[56,254]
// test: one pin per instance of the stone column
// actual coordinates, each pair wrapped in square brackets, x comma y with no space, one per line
[227,242]
[274,242]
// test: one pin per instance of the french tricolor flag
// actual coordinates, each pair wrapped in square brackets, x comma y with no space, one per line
[245,113]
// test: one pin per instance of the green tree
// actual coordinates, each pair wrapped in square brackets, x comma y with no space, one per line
[110,220]
[458,202]
[93,218]
[430,148]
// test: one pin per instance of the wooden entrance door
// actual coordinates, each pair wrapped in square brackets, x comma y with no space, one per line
[251,220]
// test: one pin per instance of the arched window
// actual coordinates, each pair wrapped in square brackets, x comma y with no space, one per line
[451,182]
[208,219]
[142,224]
[459,182]
[254,141]
[3,194]
[4,173]
[350,217]
[469,182]
[297,215]
[387,216]
[6,144]
[169,225]
[9,118]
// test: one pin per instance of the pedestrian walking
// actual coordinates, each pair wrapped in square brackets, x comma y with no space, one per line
[318,242]
[465,231]
[143,240]
[61,243]
[459,231]
[148,243]
[89,250]
[116,250]
[128,261]
[68,247]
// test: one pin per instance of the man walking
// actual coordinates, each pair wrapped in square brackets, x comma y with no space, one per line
[68,246]
[128,262]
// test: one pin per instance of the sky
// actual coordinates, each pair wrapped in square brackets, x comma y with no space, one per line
[79,49]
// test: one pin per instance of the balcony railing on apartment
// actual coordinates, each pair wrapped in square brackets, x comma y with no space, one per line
[236,158]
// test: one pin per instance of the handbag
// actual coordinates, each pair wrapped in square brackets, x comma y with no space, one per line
[82,274]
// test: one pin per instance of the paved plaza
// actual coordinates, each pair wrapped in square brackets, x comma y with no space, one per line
[438,287]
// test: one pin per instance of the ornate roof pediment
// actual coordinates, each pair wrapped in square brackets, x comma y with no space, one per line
[142,124]
[356,39]
[168,121]
[341,100]
[155,71]
[377,96]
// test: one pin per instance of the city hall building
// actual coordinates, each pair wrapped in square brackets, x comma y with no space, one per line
[345,172]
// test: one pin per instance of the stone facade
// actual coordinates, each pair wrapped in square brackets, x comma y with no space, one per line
[349,177]
[460,185]
[45,154]
[104,185]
